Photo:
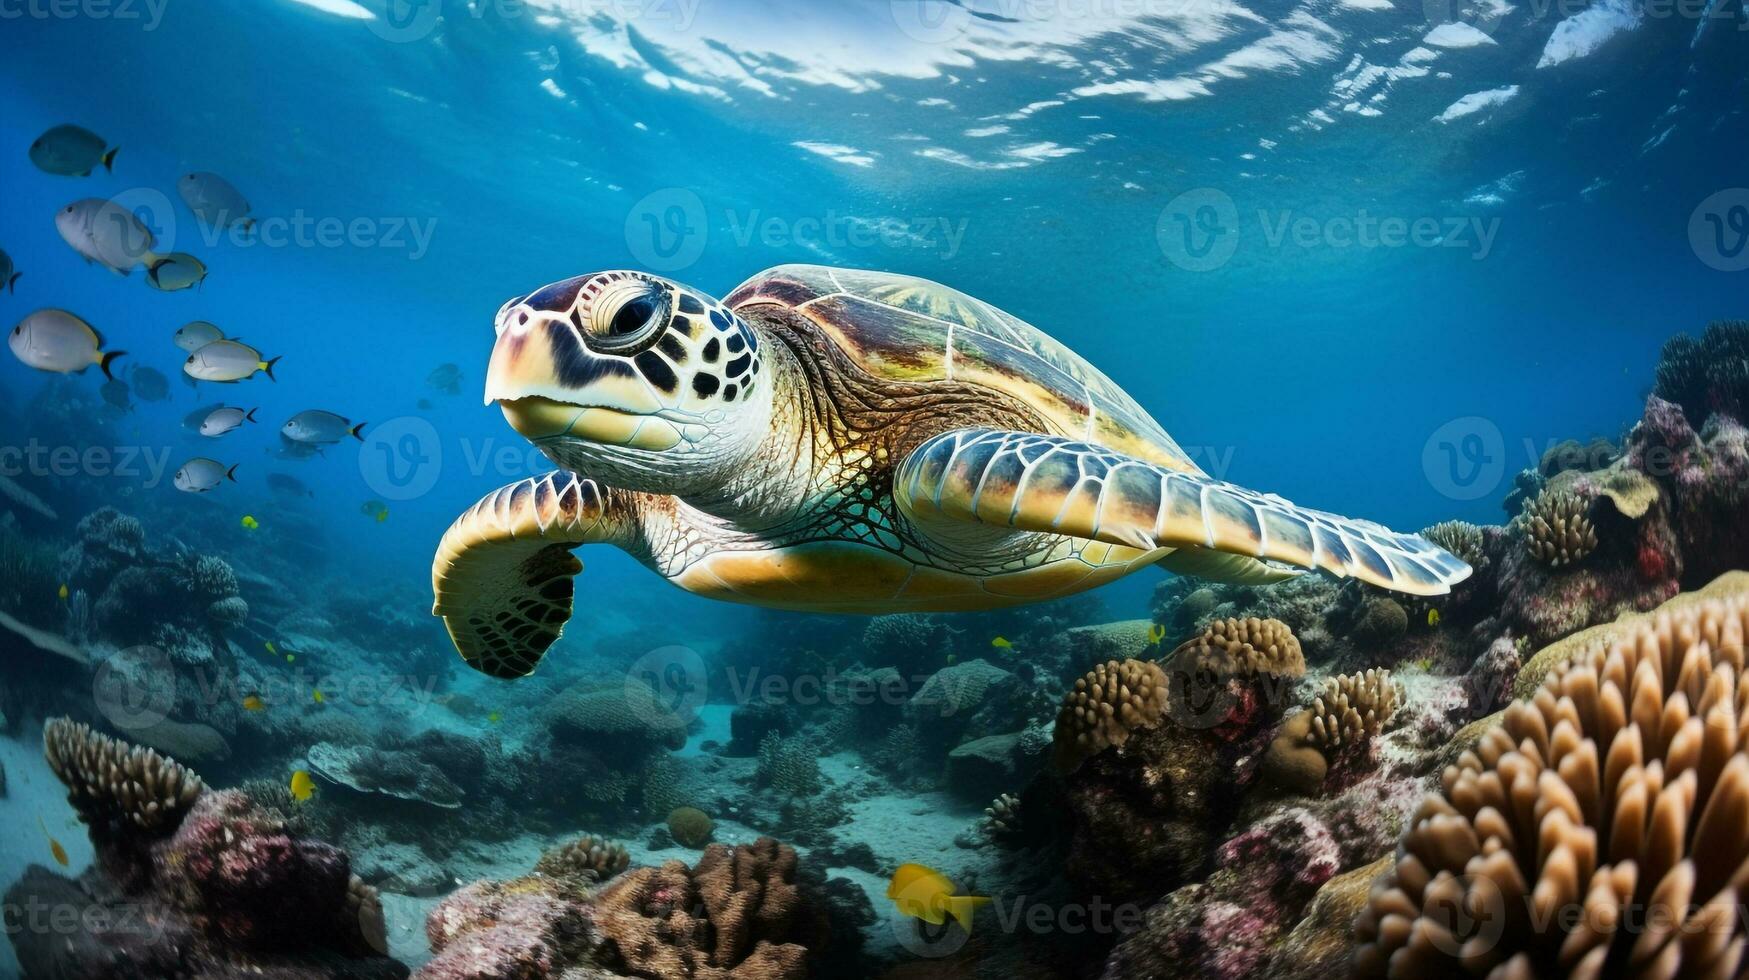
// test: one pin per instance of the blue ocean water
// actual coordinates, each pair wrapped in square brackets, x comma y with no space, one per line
[1372,255]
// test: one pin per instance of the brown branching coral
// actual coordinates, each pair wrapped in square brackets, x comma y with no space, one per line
[1351,709]
[1104,707]
[1002,822]
[1462,539]
[111,781]
[588,858]
[1602,830]
[1557,528]
[1241,647]
[738,915]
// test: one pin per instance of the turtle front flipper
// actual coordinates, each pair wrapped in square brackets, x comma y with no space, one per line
[502,574]
[1033,482]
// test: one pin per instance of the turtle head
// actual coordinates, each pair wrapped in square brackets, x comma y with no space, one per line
[632,378]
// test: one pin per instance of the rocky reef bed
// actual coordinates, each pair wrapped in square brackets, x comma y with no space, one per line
[1310,779]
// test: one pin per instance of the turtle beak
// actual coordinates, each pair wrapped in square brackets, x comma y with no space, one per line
[548,383]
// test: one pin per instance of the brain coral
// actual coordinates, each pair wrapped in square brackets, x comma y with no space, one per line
[1602,830]
[690,826]
[1104,707]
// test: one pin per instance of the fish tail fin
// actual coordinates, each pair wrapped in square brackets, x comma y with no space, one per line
[962,909]
[268,367]
[250,415]
[231,474]
[154,262]
[106,360]
[109,159]
[12,284]
[358,431]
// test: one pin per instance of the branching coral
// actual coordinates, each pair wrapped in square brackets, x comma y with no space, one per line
[587,858]
[1601,830]
[1105,706]
[1352,708]
[788,765]
[908,641]
[1462,539]
[1557,528]
[110,781]
[1707,375]
[1002,821]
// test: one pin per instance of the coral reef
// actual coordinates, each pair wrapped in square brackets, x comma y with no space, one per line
[588,858]
[1352,708]
[746,913]
[1105,707]
[690,826]
[1707,375]
[1598,827]
[397,774]
[192,882]
[1557,528]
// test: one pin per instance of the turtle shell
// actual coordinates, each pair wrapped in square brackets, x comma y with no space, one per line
[908,329]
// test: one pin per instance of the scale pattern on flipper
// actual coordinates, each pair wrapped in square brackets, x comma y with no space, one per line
[505,606]
[1048,483]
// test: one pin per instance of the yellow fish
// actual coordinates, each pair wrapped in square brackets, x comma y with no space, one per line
[254,703]
[317,696]
[291,658]
[1433,617]
[55,848]
[250,522]
[493,717]
[1156,633]
[63,592]
[923,893]
[1001,643]
[272,649]
[302,786]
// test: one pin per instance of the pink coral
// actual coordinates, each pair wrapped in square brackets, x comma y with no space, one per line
[530,927]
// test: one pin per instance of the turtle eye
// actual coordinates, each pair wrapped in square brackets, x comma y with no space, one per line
[627,313]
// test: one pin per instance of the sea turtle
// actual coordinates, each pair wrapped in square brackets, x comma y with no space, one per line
[844,441]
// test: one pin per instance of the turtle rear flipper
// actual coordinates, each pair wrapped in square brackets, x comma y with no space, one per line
[502,575]
[1034,482]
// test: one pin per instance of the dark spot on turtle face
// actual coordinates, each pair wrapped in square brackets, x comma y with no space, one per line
[557,297]
[704,384]
[713,349]
[574,366]
[729,393]
[657,371]
[748,337]
[721,321]
[738,366]
[737,344]
[690,304]
[672,346]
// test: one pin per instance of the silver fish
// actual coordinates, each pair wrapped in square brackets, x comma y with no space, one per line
[71,151]
[193,420]
[58,341]
[149,383]
[227,360]
[106,233]
[214,201]
[195,334]
[321,428]
[8,273]
[223,420]
[200,474]
[176,271]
